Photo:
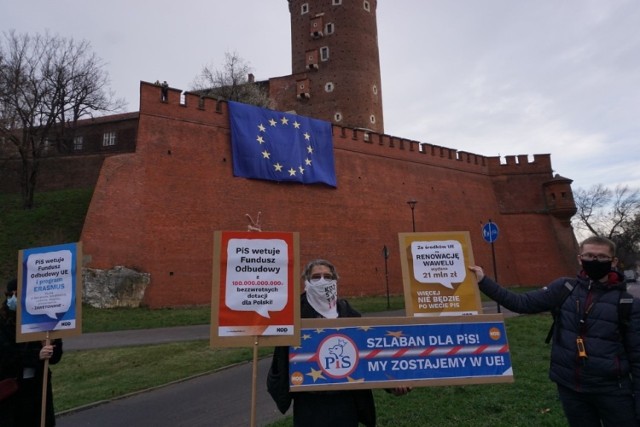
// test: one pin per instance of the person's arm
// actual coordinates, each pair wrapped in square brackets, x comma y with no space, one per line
[278,379]
[536,301]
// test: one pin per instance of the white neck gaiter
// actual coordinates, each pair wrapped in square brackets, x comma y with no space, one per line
[323,297]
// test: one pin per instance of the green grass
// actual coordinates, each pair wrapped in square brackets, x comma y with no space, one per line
[119,319]
[56,218]
[122,319]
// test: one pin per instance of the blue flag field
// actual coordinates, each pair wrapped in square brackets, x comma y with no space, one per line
[277,146]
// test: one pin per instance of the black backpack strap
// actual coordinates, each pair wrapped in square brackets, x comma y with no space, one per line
[625,304]
[555,311]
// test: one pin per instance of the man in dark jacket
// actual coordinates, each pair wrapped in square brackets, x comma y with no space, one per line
[595,357]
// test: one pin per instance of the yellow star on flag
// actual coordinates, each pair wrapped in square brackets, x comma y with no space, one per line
[316,375]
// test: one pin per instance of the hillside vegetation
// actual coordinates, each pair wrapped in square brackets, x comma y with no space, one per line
[56,218]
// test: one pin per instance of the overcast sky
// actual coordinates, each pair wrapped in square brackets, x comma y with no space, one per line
[492,77]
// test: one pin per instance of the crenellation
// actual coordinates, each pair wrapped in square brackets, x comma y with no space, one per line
[520,164]
[405,148]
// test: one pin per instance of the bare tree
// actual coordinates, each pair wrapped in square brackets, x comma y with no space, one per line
[606,212]
[232,82]
[47,83]
[614,214]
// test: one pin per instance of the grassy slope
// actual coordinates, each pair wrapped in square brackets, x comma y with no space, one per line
[56,218]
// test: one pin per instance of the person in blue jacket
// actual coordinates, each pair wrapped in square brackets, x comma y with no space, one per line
[595,354]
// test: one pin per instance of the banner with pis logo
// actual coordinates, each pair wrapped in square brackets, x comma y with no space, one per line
[359,353]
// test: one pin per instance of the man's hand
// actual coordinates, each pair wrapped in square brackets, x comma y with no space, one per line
[399,391]
[478,271]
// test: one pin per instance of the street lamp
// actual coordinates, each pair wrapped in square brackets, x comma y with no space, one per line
[412,205]
[385,254]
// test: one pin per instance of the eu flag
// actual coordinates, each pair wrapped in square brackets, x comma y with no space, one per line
[278,146]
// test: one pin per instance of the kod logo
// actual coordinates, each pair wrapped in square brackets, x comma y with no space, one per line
[338,356]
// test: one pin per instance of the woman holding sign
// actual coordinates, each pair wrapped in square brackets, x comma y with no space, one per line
[23,362]
[345,408]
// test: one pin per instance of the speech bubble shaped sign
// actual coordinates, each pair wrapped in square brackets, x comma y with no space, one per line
[257,275]
[49,284]
[438,262]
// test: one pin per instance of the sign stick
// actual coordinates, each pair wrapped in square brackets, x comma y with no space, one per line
[45,380]
[254,382]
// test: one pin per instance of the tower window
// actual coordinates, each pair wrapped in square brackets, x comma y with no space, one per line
[337,117]
[312,60]
[304,8]
[329,28]
[328,87]
[366,6]
[375,89]
[324,53]
[372,119]
[316,27]
[336,2]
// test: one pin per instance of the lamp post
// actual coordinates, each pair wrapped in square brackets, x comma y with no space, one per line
[385,254]
[412,205]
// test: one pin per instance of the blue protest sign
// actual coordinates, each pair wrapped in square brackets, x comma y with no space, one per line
[48,289]
[404,352]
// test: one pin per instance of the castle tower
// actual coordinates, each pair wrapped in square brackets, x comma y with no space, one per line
[335,63]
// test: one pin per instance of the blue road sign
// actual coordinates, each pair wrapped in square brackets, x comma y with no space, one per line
[490,232]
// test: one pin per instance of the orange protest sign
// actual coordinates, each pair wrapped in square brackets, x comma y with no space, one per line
[255,289]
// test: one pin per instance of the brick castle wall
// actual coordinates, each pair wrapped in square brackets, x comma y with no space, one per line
[157,209]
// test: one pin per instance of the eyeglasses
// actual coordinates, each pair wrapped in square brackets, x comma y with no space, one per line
[319,276]
[592,257]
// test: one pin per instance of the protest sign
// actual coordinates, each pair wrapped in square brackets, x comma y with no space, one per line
[363,353]
[255,289]
[435,276]
[50,292]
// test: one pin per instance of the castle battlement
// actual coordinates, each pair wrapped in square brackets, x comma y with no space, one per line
[156,99]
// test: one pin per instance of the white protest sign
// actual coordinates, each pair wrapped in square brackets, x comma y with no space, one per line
[49,284]
[438,262]
[257,275]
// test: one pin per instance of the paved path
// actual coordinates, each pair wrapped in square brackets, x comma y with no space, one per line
[220,399]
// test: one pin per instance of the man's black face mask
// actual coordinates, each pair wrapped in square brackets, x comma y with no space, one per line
[595,269]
